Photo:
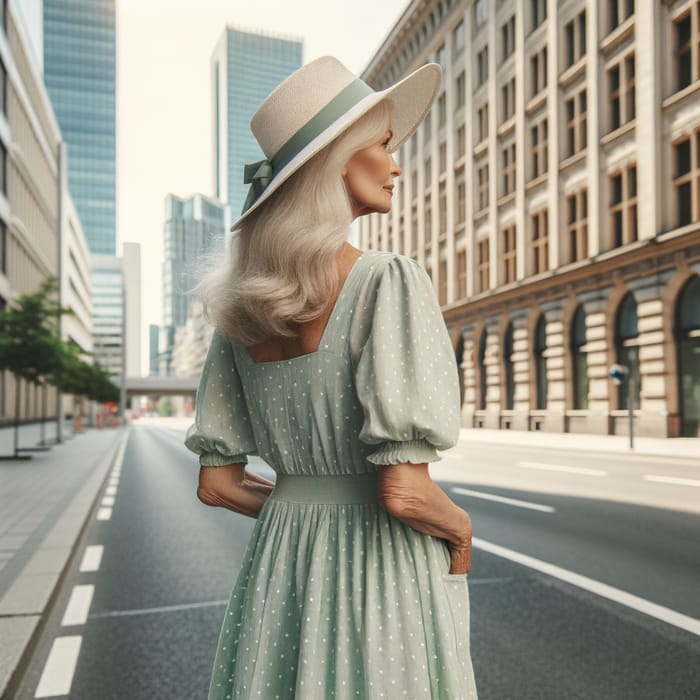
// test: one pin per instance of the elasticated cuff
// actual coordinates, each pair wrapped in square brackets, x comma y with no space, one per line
[216,459]
[414,451]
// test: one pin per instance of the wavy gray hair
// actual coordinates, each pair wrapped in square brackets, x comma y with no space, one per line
[280,268]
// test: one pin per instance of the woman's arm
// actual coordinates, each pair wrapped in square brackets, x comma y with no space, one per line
[234,487]
[408,493]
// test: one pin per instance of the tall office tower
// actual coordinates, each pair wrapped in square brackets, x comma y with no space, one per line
[80,75]
[109,302]
[245,67]
[153,332]
[553,195]
[193,227]
[131,262]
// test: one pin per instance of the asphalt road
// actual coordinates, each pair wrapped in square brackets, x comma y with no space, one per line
[607,620]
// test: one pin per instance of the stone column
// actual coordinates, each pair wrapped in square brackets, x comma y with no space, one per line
[556,376]
[521,373]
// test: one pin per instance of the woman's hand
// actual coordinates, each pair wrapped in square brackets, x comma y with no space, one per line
[233,487]
[461,552]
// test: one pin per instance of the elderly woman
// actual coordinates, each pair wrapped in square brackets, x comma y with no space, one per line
[334,365]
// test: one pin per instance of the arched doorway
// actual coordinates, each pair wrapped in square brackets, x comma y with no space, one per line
[627,351]
[687,335]
[540,345]
[508,368]
[579,359]
[481,361]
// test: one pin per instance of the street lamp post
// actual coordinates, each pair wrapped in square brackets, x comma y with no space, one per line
[618,373]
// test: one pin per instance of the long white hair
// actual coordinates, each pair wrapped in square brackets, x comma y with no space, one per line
[280,269]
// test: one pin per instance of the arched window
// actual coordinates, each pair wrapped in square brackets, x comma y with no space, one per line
[482,372]
[687,333]
[579,360]
[508,368]
[627,350]
[540,345]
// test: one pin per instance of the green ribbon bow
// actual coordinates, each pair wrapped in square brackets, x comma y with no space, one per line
[258,175]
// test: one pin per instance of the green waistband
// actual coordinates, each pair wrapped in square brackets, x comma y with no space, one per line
[327,489]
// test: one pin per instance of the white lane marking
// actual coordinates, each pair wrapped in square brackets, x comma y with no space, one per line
[111,490]
[57,676]
[163,608]
[92,558]
[503,499]
[108,500]
[560,468]
[104,513]
[642,605]
[113,481]
[78,606]
[671,480]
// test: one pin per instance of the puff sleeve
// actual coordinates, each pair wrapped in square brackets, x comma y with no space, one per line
[406,375]
[222,432]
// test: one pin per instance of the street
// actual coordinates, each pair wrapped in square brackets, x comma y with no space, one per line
[628,627]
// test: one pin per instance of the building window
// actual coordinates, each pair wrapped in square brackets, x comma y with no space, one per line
[414,144]
[540,241]
[481,13]
[442,109]
[508,38]
[538,13]
[428,173]
[414,183]
[575,39]
[3,88]
[538,72]
[3,169]
[427,127]
[461,203]
[579,360]
[576,137]
[442,211]
[460,89]
[482,119]
[414,230]
[623,206]
[440,57]
[442,152]
[482,66]
[3,247]
[508,368]
[509,254]
[483,248]
[621,92]
[618,12]
[458,38]
[540,348]
[428,221]
[460,142]
[508,154]
[483,381]
[577,225]
[687,47]
[627,350]
[442,282]
[483,179]
[686,181]
[539,136]
[3,15]
[461,274]
[508,99]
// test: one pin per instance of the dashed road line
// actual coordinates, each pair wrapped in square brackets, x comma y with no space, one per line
[57,676]
[671,480]
[503,499]
[561,468]
[92,557]
[79,605]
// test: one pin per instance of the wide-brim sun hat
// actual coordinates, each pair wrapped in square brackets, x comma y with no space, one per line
[313,106]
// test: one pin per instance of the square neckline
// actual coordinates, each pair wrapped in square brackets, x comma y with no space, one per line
[326,329]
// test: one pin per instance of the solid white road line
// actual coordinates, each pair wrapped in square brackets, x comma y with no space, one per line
[672,480]
[78,606]
[104,513]
[92,558]
[503,499]
[111,491]
[57,676]
[642,605]
[108,500]
[559,468]
[164,608]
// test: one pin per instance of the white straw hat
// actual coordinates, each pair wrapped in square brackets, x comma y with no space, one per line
[315,104]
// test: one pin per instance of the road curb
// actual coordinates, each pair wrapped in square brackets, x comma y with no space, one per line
[26,605]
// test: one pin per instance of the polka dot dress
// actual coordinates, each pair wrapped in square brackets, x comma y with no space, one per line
[335,597]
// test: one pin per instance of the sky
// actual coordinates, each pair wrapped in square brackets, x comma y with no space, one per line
[164,104]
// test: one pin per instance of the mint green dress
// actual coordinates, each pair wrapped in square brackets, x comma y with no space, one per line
[335,597]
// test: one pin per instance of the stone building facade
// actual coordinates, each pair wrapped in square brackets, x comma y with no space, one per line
[553,195]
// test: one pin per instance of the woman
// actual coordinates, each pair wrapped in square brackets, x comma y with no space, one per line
[334,365]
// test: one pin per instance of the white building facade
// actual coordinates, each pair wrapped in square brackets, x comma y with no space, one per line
[553,195]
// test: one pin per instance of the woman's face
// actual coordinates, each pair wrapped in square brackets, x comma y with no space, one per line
[369,176]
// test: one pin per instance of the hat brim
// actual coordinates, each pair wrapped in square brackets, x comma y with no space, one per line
[412,96]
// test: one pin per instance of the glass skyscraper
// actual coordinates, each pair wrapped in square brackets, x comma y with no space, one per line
[80,76]
[245,67]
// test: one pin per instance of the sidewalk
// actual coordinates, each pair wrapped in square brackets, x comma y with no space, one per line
[686,448]
[44,503]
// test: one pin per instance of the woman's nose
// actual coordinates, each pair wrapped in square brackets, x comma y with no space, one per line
[395,168]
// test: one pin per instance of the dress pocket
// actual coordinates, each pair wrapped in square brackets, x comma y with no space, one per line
[457,593]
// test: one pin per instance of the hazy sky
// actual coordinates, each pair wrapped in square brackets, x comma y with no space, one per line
[164,105]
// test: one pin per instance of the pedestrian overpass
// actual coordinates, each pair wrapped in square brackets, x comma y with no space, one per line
[161,386]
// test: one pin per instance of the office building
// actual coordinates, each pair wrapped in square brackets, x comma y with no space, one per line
[553,195]
[131,262]
[80,75]
[245,68]
[109,304]
[153,350]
